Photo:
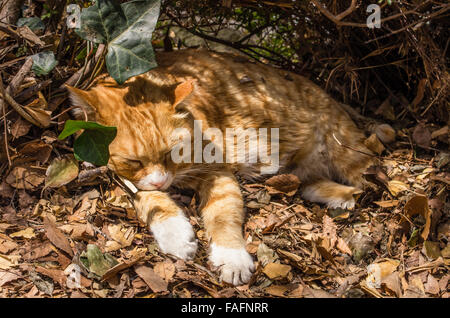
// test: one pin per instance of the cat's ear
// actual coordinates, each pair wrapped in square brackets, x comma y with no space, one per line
[183,90]
[82,102]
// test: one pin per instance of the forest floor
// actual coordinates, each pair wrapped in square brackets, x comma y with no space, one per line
[393,244]
[60,218]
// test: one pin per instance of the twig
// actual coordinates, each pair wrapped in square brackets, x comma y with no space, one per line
[17,107]
[18,78]
[5,126]
[31,91]
[345,146]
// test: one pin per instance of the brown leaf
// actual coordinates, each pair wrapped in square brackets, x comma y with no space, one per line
[432,285]
[374,144]
[387,204]
[277,290]
[377,272]
[121,266]
[56,236]
[28,233]
[37,150]
[25,178]
[57,275]
[385,133]
[343,247]
[37,110]
[316,293]
[154,281]
[431,250]
[419,205]
[6,277]
[165,269]
[7,246]
[391,284]
[284,183]
[329,230]
[27,34]
[276,271]
[20,128]
[36,252]
[420,93]
[61,171]
[395,187]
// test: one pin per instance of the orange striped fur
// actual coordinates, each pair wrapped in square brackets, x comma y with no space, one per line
[224,91]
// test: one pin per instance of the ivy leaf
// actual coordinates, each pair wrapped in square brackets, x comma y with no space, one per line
[127,30]
[93,144]
[43,63]
[34,23]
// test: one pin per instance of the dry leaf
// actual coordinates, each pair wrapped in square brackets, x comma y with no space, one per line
[385,133]
[387,204]
[276,271]
[165,269]
[36,109]
[56,236]
[25,178]
[329,230]
[343,247]
[378,271]
[123,236]
[395,187]
[28,233]
[432,285]
[277,290]
[284,183]
[419,205]
[61,171]
[431,250]
[20,128]
[392,285]
[374,144]
[6,277]
[154,281]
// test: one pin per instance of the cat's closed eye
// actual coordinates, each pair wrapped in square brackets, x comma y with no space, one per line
[132,163]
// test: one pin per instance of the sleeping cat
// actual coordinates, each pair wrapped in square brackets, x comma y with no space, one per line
[317,141]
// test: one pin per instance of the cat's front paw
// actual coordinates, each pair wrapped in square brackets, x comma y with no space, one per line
[235,264]
[175,236]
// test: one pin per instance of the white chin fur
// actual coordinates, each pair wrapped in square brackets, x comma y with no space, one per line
[175,236]
[146,183]
[236,264]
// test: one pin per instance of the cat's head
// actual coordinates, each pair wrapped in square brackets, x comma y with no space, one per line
[147,115]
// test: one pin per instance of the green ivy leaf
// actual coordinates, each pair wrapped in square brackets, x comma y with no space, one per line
[93,144]
[127,30]
[43,63]
[34,23]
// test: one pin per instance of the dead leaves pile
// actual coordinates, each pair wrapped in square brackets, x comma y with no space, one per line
[68,230]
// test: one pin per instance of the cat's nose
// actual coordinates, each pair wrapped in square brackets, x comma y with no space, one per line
[158,179]
[159,184]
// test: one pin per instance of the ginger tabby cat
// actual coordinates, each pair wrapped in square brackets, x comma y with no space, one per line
[223,91]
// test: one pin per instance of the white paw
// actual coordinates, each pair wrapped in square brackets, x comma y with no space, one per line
[175,236]
[236,265]
[341,203]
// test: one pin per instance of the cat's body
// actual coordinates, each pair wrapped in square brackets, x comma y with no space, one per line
[317,141]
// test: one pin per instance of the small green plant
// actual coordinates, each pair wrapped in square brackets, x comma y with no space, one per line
[92,145]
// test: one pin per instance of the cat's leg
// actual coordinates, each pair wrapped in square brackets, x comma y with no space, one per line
[169,225]
[333,194]
[222,209]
